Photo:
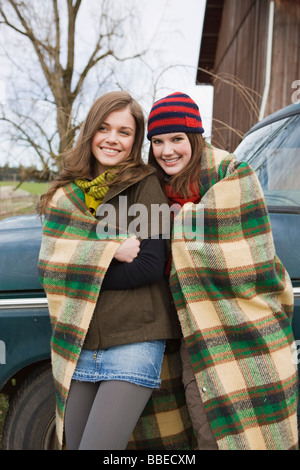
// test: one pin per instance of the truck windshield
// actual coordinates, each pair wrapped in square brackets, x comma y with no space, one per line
[274,153]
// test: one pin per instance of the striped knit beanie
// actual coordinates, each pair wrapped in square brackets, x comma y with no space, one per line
[174,113]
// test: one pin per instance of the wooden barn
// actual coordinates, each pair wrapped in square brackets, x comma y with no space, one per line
[250,52]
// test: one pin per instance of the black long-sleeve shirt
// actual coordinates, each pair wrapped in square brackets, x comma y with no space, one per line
[146,268]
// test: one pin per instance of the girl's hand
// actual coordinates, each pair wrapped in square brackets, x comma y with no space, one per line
[128,250]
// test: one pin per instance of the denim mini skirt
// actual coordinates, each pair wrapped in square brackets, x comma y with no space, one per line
[138,363]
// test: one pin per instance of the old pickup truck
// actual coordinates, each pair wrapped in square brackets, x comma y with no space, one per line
[272,147]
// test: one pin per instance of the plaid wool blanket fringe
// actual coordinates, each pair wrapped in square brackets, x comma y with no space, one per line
[235,302]
[72,264]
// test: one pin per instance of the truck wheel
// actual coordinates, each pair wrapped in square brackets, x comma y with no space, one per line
[30,422]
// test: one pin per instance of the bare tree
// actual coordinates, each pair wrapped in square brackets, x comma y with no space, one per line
[60,43]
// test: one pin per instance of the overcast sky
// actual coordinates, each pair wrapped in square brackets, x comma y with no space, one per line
[172,30]
[175,27]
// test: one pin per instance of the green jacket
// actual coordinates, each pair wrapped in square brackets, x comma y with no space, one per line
[145,313]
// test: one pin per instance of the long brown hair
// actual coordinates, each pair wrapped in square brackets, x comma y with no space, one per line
[79,162]
[189,176]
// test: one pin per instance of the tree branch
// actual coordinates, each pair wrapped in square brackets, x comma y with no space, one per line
[26,138]
[45,36]
[91,63]
[35,42]
[57,30]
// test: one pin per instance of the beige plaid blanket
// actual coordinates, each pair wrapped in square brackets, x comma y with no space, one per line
[72,264]
[234,300]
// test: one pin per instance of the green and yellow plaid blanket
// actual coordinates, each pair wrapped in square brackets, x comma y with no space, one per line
[72,264]
[235,302]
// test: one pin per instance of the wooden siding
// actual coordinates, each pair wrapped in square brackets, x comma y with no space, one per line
[209,41]
[240,65]
[286,53]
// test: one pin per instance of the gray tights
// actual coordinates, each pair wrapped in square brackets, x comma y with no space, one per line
[102,415]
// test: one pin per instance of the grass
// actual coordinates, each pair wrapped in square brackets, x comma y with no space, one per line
[3,410]
[36,189]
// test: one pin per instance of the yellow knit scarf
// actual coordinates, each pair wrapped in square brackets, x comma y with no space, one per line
[94,191]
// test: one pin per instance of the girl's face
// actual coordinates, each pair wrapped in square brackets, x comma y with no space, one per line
[172,151]
[114,139]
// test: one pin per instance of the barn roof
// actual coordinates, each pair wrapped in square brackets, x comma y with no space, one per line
[209,41]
